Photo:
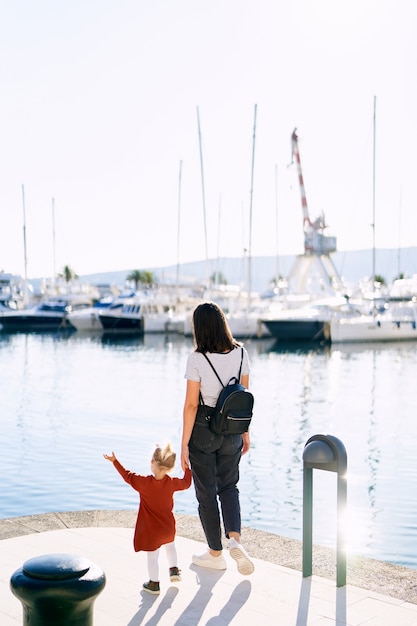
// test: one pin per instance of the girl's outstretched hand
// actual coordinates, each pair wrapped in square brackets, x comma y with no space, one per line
[110,457]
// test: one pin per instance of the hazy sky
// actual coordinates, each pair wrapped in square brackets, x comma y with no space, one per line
[98,108]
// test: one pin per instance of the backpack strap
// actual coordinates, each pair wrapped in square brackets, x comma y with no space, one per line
[212,367]
[241,363]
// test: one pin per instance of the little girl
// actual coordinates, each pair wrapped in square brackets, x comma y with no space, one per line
[155,524]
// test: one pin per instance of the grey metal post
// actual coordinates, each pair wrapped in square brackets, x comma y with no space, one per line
[328,453]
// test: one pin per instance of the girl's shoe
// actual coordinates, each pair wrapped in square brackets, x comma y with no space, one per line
[152,587]
[175,574]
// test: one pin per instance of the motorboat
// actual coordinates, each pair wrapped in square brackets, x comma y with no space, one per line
[309,322]
[160,317]
[128,317]
[88,319]
[396,324]
[388,322]
[46,316]
[299,325]
[160,313]
[247,324]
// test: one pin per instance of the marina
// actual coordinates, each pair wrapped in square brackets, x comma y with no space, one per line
[312,304]
[68,397]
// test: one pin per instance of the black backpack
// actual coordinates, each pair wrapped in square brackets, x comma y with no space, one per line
[234,407]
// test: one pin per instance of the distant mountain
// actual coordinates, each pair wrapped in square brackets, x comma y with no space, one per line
[352,266]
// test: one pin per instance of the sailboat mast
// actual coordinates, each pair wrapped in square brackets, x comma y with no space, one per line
[216,275]
[53,243]
[399,235]
[276,230]
[204,194]
[25,293]
[373,196]
[250,210]
[178,232]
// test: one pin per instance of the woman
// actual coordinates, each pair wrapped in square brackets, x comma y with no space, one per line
[214,459]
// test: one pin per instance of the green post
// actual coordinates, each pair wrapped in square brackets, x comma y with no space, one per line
[308,523]
[328,453]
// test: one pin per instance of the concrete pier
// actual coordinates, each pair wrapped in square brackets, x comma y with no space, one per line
[376,593]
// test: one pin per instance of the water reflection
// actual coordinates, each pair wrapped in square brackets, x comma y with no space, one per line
[67,399]
[122,339]
[57,333]
[298,347]
[375,347]
[373,451]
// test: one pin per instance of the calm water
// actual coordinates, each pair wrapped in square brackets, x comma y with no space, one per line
[66,400]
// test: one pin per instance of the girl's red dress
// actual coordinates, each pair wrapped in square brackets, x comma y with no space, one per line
[155,523]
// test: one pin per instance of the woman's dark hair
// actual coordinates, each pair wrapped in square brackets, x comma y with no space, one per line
[211,330]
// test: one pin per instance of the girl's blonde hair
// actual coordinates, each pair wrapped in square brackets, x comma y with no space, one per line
[165,457]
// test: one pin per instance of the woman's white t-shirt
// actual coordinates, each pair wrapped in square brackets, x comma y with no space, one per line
[227,366]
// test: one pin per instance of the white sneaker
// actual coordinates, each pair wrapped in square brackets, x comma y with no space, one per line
[210,561]
[239,554]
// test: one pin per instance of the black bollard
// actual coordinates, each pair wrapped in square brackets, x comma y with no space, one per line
[58,590]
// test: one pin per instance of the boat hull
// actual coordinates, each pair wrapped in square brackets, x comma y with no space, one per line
[88,320]
[298,329]
[110,322]
[28,322]
[366,330]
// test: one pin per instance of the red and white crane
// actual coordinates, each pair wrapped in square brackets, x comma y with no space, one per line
[314,271]
[315,241]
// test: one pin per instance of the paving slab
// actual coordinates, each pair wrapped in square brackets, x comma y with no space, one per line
[275,593]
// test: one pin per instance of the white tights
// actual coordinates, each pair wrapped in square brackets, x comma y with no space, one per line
[153,557]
